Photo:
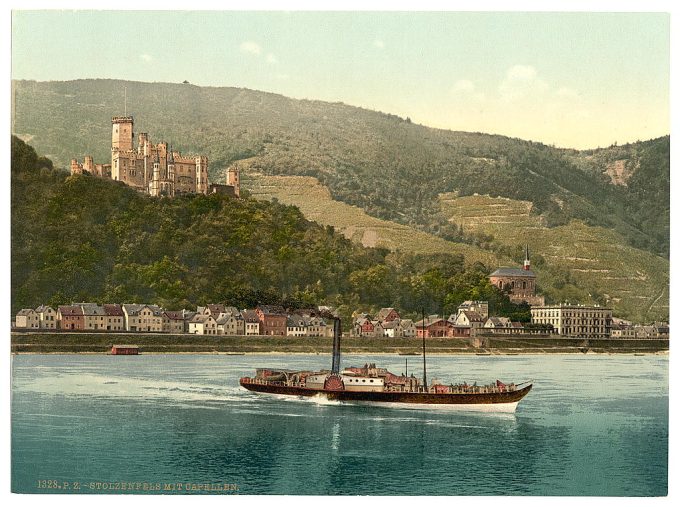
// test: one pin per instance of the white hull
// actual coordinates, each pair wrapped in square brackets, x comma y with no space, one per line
[502,408]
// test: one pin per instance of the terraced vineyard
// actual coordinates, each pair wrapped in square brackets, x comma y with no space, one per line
[582,263]
[315,201]
[634,282]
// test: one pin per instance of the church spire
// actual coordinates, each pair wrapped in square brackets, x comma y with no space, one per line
[527,263]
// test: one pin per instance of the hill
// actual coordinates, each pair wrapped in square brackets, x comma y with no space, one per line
[574,262]
[81,238]
[316,203]
[381,167]
[575,255]
[386,165]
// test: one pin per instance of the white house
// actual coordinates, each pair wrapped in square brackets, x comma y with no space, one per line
[47,317]
[27,318]
[203,324]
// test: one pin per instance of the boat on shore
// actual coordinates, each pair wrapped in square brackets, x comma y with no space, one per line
[377,386]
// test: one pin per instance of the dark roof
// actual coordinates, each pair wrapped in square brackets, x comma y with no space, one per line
[113,310]
[216,309]
[272,310]
[473,316]
[174,315]
[250,316]
[384,312]
[297,320]
[513,272]
[70,310]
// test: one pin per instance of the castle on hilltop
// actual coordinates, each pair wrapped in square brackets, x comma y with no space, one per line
[155,169]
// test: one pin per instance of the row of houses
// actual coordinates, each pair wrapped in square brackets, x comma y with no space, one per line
[628,331]
[213,319]
[471,316]
[472,319]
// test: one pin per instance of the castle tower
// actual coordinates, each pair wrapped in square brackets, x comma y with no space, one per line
[201,175]
[171,165]
[88,164]
[142,141]
[171,172]
[234,180]
[76,168]
[121,134]
[527,263]
[155,183]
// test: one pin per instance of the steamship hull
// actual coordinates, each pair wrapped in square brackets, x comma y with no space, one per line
[488,402]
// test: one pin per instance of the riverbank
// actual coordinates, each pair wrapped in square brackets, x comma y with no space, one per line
[101,343]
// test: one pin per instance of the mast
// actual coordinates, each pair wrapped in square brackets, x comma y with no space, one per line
[424,361]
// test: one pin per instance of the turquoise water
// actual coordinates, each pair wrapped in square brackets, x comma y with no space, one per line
[592,425]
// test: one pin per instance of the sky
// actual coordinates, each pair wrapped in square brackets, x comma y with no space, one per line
[577,80]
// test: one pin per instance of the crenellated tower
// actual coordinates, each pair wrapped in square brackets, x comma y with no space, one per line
[121,133]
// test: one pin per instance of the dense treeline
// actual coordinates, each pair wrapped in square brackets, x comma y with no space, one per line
[80,238]
[390,167]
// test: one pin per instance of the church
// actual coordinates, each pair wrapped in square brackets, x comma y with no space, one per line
[520,283]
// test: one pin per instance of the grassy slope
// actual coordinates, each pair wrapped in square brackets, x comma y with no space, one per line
[634,281]
[316,203]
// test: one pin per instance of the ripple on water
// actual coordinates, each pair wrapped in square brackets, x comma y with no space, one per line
[585,429]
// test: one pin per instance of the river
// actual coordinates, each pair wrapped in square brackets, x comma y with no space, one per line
[592,425]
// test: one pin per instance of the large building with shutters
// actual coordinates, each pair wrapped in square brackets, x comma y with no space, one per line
[575,320]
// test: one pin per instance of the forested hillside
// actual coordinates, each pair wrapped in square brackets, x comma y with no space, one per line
[385,164]
[643,170]
[81,238]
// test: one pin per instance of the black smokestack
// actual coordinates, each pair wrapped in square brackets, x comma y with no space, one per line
[337,333]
